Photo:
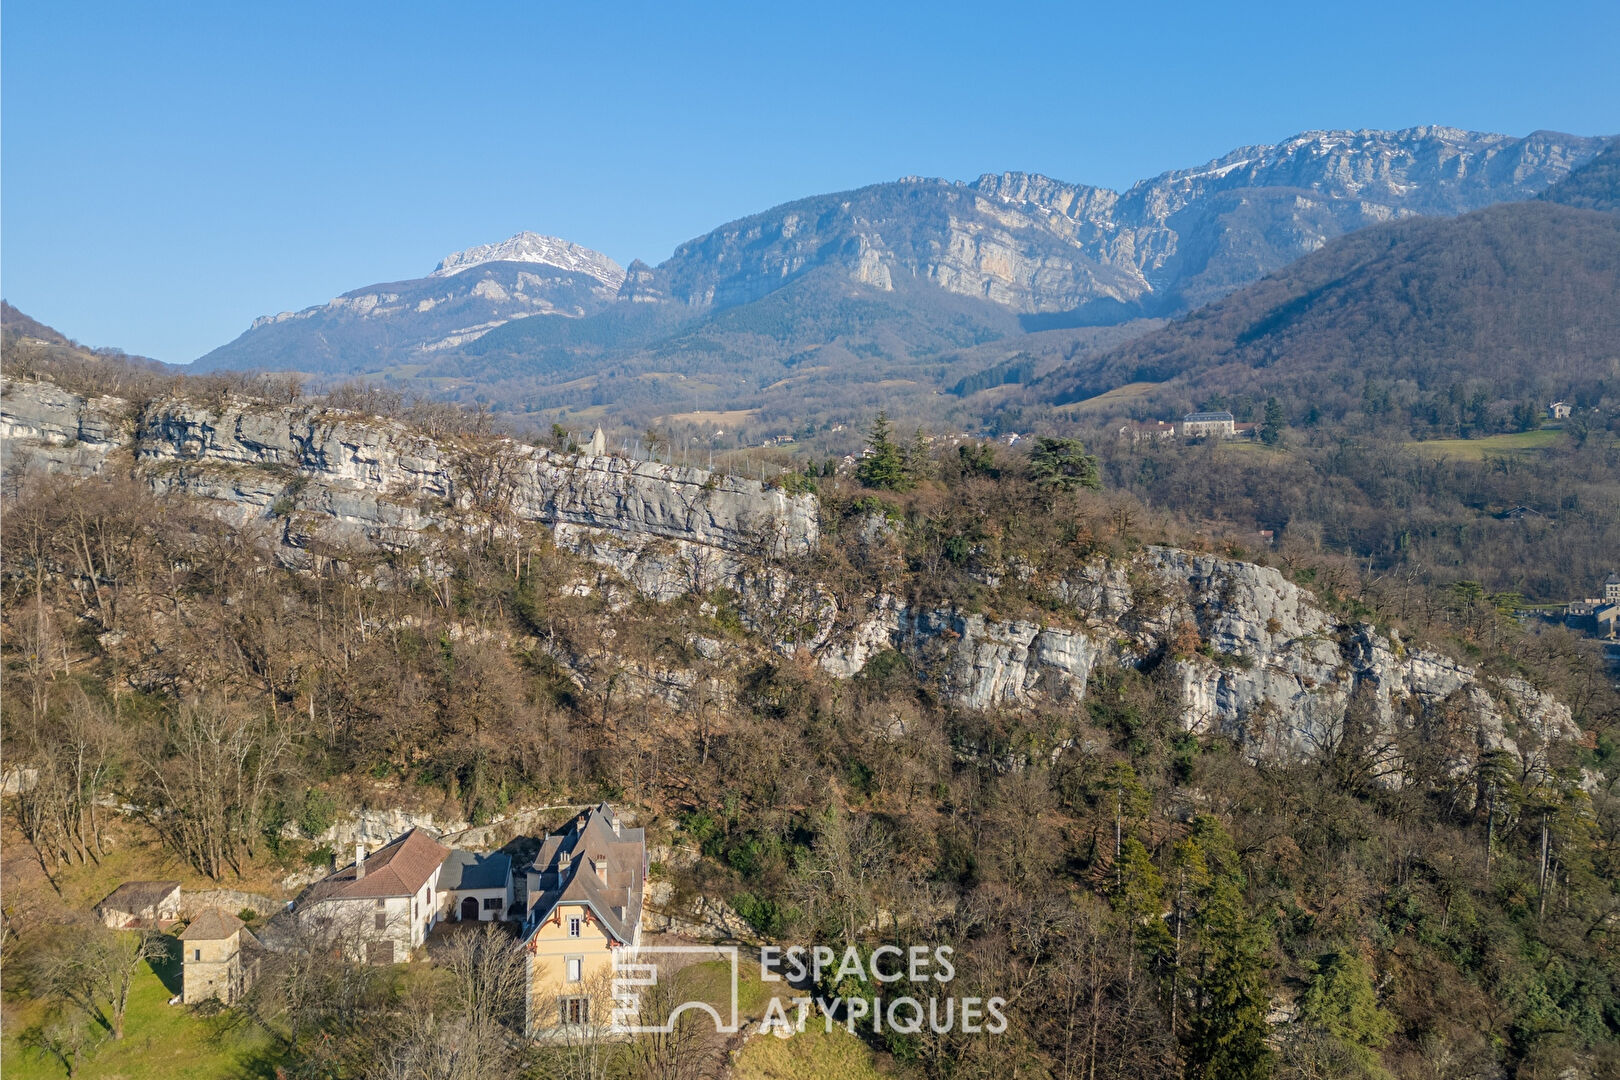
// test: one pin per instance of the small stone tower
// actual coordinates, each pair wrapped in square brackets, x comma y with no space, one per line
[213,962]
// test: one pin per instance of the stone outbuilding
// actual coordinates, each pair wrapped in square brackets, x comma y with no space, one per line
[140,903]
[218,958]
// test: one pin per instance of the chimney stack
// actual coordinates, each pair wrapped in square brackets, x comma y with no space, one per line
[614,821]
[359,860]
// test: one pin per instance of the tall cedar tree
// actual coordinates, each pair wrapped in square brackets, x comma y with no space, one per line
[885,467]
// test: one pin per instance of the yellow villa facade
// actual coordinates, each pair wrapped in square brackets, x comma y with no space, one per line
[584,912]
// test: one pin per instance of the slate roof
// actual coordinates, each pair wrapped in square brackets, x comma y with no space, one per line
[470,870]
[212,925]
[614,894]
[138,897]
[1207,417]
[398,868]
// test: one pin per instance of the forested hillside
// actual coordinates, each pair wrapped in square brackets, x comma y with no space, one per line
[1436,327]
[1155,899]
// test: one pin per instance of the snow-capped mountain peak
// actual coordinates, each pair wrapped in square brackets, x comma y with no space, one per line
[531,247]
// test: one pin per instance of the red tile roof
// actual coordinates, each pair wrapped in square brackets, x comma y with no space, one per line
[399,868]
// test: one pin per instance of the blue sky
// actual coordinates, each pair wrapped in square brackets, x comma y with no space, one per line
[171,171]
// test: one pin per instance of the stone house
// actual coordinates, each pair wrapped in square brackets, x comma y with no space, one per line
[381,906]
[584,911]
[475,888]
[140,903]
[1558,410]
[218,958]
[1207,425]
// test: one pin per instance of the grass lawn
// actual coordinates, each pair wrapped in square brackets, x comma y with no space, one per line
[1114,398]
[160,1040]
[1522,442]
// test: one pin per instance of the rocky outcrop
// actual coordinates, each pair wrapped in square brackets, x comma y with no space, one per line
[1274,671]
[323,479]
[1257,658]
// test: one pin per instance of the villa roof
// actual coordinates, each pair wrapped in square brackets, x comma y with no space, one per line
[589,863]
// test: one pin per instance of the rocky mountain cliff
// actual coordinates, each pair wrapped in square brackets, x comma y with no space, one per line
[1039,245]
[806,314]
[470,293]
[1274,669]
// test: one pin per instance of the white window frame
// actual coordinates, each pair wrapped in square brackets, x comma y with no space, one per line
[573,969]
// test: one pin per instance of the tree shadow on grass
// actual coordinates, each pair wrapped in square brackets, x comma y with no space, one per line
[168,966]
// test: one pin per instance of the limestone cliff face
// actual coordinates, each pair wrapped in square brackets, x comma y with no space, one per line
[317,477]
[1279,675]
[1275,671]
[1038,245]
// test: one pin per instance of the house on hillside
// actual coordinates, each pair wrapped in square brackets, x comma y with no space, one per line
[1559,410]
[381,906]
[1611,589]
[218,957]
[1208,425]
[140,903]
[1146,430]
[475,888]
[584,909]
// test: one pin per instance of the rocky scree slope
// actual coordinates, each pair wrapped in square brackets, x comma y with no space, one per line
[1274,671]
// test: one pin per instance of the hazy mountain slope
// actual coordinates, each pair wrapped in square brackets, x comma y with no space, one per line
[408,322]
[1522,297]
[1593,186]
[17,326]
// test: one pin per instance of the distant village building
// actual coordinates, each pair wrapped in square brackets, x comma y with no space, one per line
[1205,425]
[140,903]
[584,910]
[475,888]
[1558,410]
[1597,615]
[381,906]
[1146,430]
[598,444]
[218,958]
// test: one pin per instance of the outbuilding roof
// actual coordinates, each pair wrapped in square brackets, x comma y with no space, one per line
[212,925]
[465,870]
[138,897]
